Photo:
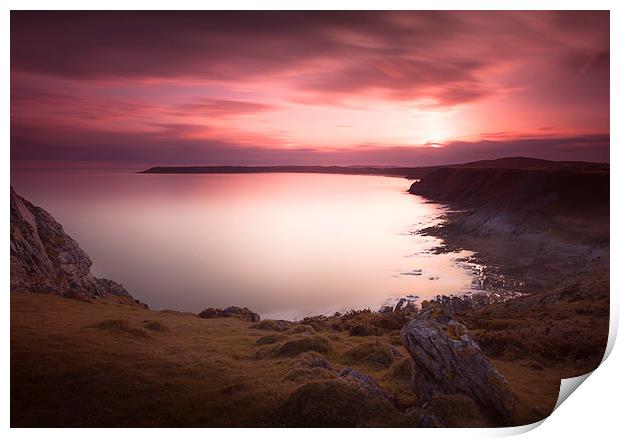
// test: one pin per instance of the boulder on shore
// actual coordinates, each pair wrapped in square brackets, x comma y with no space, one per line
[446,359]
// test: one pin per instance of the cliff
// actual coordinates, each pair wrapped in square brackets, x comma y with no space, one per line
[534,231]
[515,188]
[563,205]
[45,259]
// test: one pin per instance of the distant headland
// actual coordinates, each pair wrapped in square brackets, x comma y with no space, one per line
[520,163]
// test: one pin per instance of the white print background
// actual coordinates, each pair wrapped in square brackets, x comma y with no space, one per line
[591,412]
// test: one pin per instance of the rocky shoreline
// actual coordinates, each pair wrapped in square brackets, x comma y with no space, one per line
[543,237]
[530,228]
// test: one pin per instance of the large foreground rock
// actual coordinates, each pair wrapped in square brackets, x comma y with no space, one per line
[447,360]
[45,259]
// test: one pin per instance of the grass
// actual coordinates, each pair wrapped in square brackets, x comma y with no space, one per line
[295,347]
[374,355]
[332,403]
[111,364]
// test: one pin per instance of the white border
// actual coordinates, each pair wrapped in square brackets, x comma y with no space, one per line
[592,411]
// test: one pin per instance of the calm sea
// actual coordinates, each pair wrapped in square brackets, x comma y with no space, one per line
[284,245]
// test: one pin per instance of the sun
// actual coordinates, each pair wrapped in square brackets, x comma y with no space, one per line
[434,144]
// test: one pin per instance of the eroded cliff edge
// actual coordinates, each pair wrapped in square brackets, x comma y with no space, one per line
[539,226]
[45,259]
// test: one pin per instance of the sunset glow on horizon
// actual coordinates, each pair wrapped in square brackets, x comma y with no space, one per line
[135,89]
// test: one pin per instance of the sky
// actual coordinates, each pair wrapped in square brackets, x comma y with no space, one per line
[137,89]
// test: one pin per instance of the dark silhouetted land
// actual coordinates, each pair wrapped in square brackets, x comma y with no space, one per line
[522,163]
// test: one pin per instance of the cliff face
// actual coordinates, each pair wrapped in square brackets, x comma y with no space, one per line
[537,228]
[45,259]
[520,203]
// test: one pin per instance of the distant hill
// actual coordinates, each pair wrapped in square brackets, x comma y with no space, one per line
[525,163]
[346,170]
[516,163]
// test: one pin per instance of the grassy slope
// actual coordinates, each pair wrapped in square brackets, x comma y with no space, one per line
[74,364]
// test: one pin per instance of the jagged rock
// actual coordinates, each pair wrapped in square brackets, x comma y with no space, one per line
[240,312]
[400,304]
[45,259]
[447,360]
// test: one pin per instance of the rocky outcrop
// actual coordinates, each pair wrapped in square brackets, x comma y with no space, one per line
[45,259]
[446,359]
[239,312]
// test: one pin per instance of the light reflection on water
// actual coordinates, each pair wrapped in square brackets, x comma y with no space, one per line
[284,245]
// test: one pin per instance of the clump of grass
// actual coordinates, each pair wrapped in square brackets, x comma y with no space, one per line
[155,326]
[121,326]
[372,354]
[333,403]
[297,346]
[306,374]
[457,410]
[395,339]
[273,325]
[265,352]
[364,330]
[400,372]
[310,366]
[270,339]
[318,323]
[302,329]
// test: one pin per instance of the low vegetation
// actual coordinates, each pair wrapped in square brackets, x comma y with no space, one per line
[116,364]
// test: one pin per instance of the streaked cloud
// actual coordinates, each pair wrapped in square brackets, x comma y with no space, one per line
[282,85]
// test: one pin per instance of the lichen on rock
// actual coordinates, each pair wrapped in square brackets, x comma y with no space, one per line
[446,359]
